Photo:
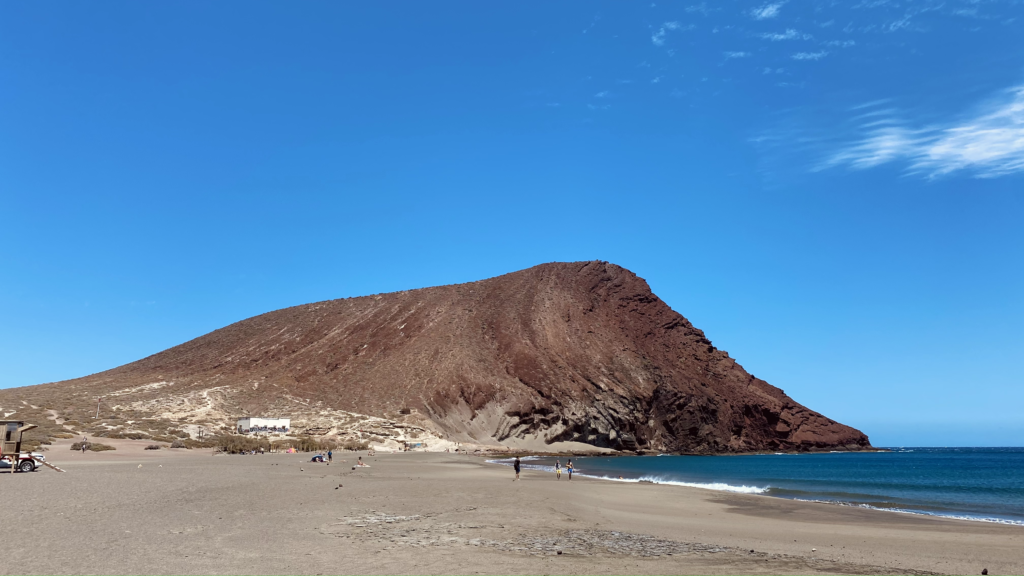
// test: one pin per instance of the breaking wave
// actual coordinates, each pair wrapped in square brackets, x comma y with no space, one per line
[916,512]
[719,486]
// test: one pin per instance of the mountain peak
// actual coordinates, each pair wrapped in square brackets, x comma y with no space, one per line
[563,351]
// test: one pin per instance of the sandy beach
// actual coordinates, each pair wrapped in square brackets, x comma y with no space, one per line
[189,512]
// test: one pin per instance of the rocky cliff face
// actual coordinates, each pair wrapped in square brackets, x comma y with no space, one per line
[577,351]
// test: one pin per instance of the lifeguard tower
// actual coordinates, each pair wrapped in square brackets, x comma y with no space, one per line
[10,447]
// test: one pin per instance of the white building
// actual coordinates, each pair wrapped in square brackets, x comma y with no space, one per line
[250,425]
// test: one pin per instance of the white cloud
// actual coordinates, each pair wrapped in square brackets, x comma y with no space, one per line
[729,55]
[770,10]
[658,38]
[602,94]
[870,104]
[789,34]
[990,143]
[840,43]
[656,79]
[810,55]
[898,24]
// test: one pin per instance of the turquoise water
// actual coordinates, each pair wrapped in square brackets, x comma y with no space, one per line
[969,483]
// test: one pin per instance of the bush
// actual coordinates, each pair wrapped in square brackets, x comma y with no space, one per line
[153,447]
[238,444]
[178,444]
[355,446]
[92,447]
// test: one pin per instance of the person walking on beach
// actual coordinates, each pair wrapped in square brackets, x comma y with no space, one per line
[516,466]
[568,468]
[558,469]
[330,456]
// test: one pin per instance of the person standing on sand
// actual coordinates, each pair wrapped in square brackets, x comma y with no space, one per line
[558,469]
[330,456]
[516,466]
[568,468]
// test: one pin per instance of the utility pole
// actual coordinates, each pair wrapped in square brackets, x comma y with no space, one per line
[98,406]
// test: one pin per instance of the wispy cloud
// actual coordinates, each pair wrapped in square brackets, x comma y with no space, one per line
[809,55]
[701,8]
[870,104]
[989,142]
[730,55]
[898,24]
[602,94]
[789,34]
[840,43]
[658,38]
[766,11]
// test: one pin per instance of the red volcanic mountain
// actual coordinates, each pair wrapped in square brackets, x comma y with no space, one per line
[580,351]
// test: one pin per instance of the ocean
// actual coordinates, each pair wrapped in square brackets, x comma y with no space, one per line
[984,484]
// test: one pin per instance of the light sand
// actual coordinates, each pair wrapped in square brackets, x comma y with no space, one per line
[188,512]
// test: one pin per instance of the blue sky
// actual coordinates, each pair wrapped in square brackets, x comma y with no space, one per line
[833,192]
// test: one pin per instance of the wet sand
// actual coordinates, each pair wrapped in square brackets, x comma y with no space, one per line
[189,512]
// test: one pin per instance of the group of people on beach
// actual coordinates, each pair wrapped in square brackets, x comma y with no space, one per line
[320,457]
[558,468]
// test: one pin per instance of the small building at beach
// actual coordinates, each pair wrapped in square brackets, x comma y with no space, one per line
[265,425]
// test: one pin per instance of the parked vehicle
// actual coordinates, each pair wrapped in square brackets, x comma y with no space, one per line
[26,461]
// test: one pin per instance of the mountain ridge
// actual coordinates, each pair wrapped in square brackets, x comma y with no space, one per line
[561,352]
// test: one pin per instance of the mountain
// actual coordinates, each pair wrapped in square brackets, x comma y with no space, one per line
[560,352]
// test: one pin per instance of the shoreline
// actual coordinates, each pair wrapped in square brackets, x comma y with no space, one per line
[166,512]
[757,491]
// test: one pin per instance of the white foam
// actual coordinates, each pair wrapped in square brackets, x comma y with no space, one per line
[512,459]
[719,486]
[917,513]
